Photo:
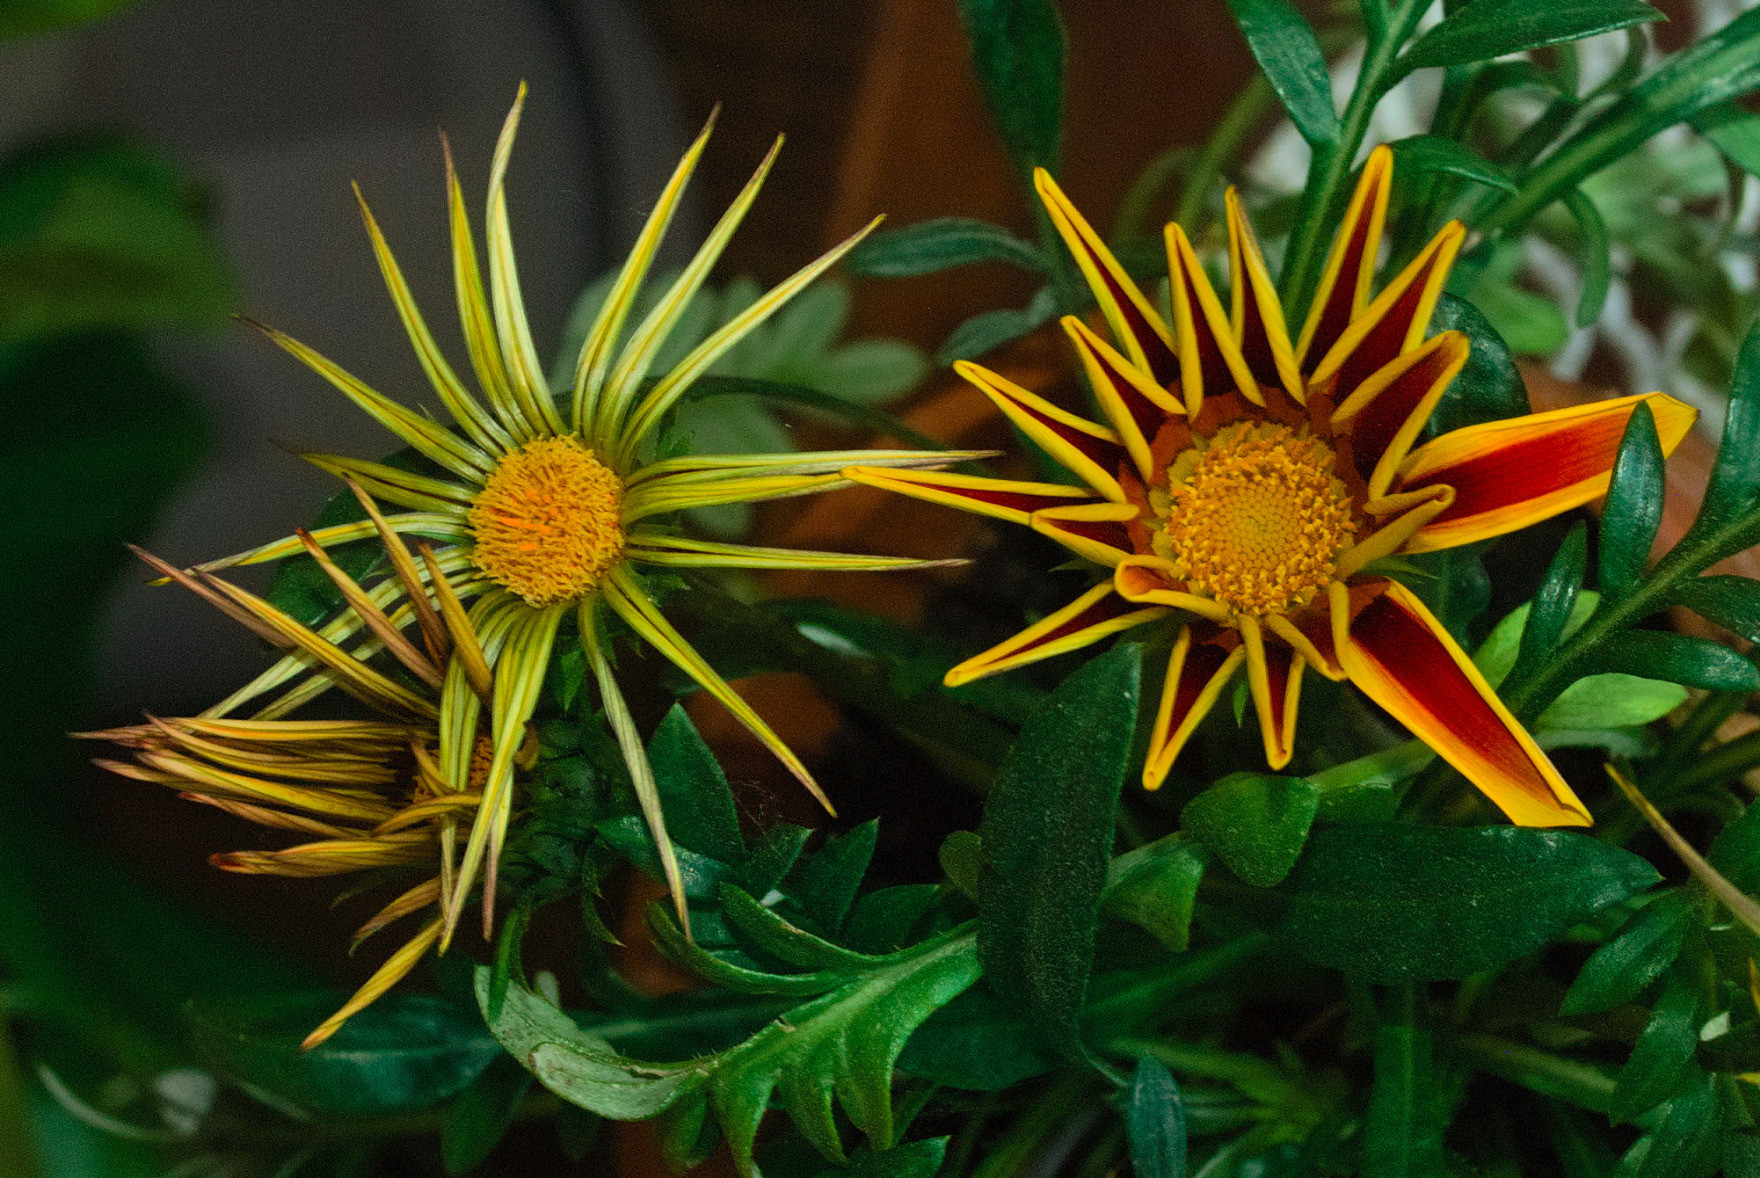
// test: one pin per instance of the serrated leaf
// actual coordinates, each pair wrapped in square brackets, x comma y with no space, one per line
[1395,902]
[1485,29]
[825,883]
[770,859]
[930,247]
[1047,840]
[1694,662]
[1256,823]
[1664,1052]
[1619,970]
[1017,53]
[1155,887]
[479,1116]
[777,937]
[1425,155]
[700,813]
[1283,43]
[1597,256]
[1156,1123]
[1729,601]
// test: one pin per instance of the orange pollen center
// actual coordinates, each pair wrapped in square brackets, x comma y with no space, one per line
[1255,518]
[548,523]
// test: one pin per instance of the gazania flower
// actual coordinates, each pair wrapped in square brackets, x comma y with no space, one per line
[546,504]
[1251,489]
[384,793]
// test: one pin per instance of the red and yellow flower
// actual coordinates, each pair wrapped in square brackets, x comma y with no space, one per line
[1252,488]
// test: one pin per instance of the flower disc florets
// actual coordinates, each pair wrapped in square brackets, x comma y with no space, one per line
[548,522]
[1255,517]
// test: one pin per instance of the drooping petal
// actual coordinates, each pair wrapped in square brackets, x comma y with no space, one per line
[1509,474]
[1095,531]
[1393,536]
[414,900]
[1096,614]
[167,768]
[374,618]
[1132,402]
[1395,322]
[1149,580]
[1310,635]
[1210,364]
[1002,498]
[1274,672]
[1196,674]
[434,634]
[1135,323]
[1255,311]
[1401,657]
[1386,413]
[1350,264]
[1091,452]
[685,552]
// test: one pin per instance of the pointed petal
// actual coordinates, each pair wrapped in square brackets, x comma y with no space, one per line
[394,485]
[1350,265]
[341,805]
[388,975]
[530,391]
[1210,363]
[1509,474]
[1255,312]
[1094,531]
[467,653]
[1091,452]
[1394,536]
[1394,323]
[372,616]
[275,819]
[475,318]
[1151,581]
[1002,498]
[660,496]
[327,857]
[433,630]
[1196,675]
[681,551]
[702,467]
[1135,323]
[1310,635]
[1096,614]
[449,527]
[1386,412]
[1400,656]
[1274,672]
[1132,402]
[414,900]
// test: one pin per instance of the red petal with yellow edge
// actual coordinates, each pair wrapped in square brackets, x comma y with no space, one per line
[1274,672]
[1134,321]
[1350,266]
[1384,415]
[1002,498]
[1092,452]
[1096,531]
[1395,322]
[1255,312]
[1124,394]
[1209,362]
[1509,474]
[1196,674]
[1399,655]
[1094,615]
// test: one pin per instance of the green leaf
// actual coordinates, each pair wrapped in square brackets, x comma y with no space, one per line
[825,884]
[700,814]
[1634,507]
[1609,701]
[1550,611]
[1156,886]
[630,837]
[1664,1052]
[1730,602]
[403,1053]
[1736,850]
[1283,43]
[1047,831]
[480,1115]
[1618,971]
[102,233]
[771,858]
[1735,478]
[1156,1123]
[1491,28]
[1531,323]
[930,247]
[1686,1144]
[992,329]
[1394,902]
[978,1042]
[21,18]
[1695,662]
[1427,155]
[1256,823]
[1489,387]
[913,1159]
[962,859]
[1597,256]
[1400,1130]
[1735,132]
[1017,53]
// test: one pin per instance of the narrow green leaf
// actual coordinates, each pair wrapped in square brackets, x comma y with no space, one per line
[1550,611]
[1735,131]
[1017,53]
[961,859]
[480,1115]
[1283,43]
[1618,971]
[1395,902]
[1736,850]
[1427,155]
[1156,1123]
[775,852]
[1489,388]
[913,1159]
[1491,28]
[1730,602]
[1685,1144]
[882,921]
[1581,1144]
[1399,1133]
[1256,823]
[1694,662]
[825,883]
[1663,1053]
[1156,886]
[1609,701]
[700,813]
[930,247]
[629,836]
[1634,507]
[1735,478]
[1597,256]
[992,329]
[1047,831]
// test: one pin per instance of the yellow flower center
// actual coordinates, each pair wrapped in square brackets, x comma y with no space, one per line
[548,521]
[1255,517]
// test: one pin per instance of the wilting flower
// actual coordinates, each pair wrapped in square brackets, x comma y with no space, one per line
[376,794]
[1253,489]
[543,505]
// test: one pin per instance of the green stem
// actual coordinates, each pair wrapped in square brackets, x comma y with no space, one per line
[1052,1110]
[1539,1071]
[1389,765]
[1332,164]
[1249,107]
[1720,764]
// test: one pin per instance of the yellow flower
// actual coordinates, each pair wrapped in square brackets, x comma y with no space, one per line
[1246,487]
[547,503]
